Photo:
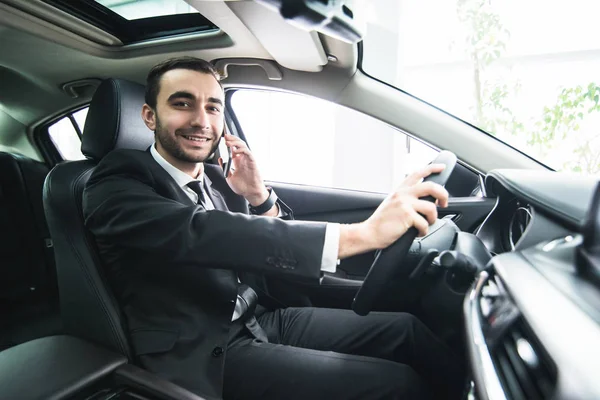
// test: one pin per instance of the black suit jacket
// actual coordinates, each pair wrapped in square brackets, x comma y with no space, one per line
[171,263]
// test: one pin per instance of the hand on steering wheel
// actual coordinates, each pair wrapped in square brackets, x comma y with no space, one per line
[407,219]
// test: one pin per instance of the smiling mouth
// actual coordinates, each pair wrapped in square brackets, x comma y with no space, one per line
[196,139]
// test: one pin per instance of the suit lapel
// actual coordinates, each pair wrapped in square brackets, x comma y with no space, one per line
[173,190]
[218,187]
[214,195]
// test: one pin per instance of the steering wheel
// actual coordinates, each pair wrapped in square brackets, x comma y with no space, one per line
[388,262]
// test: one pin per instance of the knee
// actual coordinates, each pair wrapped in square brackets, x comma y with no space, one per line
[402,382]
[409,319]
[409,323]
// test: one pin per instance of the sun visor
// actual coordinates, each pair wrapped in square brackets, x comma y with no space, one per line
[340,19]
[287,43]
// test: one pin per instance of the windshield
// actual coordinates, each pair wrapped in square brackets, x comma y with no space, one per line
[525,71]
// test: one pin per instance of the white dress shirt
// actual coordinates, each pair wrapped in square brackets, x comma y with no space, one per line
[329,258]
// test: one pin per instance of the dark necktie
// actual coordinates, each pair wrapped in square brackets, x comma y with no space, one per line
[196,186]
[246,294]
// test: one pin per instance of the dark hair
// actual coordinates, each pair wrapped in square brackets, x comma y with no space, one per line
[193,63]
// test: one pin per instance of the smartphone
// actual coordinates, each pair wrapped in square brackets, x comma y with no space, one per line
[227,150]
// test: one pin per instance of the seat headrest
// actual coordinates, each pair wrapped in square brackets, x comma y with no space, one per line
[114,120]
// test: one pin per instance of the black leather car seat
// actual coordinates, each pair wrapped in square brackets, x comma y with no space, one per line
[28,295]
[88,308]
[25,246]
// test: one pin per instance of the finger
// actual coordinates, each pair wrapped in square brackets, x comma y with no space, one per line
[419,223]
[431,189]
[235,149]
[418,175]
[239,151]
[427,209]
[243,152]
[235,141]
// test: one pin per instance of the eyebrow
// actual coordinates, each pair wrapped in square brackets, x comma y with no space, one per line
[215,100]
[182,94]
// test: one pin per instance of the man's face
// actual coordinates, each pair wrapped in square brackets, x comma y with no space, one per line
[188,120]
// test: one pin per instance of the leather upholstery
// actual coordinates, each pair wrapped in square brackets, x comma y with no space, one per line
[55,367]
[88,307]
[146,383]
[27,266]
[114,120]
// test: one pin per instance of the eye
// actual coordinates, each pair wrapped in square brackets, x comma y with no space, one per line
[183,104]
[214,109]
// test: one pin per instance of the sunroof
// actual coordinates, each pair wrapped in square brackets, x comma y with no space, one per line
[137,9]
[138,20]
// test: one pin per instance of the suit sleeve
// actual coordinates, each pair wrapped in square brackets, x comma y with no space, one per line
[122,208]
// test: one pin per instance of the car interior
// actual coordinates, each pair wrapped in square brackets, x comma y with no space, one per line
[508,275]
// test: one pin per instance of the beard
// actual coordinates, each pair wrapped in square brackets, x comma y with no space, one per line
[169,143]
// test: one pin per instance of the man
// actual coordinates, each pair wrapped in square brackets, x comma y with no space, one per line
[175,237]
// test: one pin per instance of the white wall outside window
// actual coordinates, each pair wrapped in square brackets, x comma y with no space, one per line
[304,140]
[65,138]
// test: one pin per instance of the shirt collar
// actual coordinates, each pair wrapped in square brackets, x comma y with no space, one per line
[179,176]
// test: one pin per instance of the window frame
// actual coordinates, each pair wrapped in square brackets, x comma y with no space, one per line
[230,115]
[43,141]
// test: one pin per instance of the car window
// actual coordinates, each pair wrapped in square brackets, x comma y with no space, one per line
[523,71]
[65,135]
[304,140]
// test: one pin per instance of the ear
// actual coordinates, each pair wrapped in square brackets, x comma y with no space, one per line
[149,117]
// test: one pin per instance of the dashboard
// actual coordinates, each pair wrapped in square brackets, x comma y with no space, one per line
[533,206]
[533,315]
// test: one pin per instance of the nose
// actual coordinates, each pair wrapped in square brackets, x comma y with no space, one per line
[201,119]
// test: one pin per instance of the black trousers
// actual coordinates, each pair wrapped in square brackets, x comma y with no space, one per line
[316,353]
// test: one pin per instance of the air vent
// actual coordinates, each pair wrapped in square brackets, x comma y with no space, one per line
[518,224]
[524,368]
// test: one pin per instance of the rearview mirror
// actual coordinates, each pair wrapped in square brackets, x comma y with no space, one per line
[336,18]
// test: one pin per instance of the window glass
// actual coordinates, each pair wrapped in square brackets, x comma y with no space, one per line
[65,139]
[523,71]
[136,9]
[304,140]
